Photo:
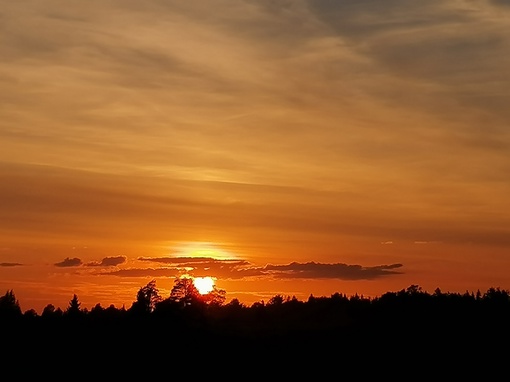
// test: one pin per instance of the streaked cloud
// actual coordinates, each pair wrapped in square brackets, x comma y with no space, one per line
[108,262]
[240,269]
[194,261]
[143,272]
[69,262]
[500,2]
[332,271]
[302,134]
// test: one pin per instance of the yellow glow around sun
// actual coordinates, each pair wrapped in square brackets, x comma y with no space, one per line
[204,285]
[202,249]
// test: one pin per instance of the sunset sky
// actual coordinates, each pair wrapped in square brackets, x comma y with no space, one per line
[293,147]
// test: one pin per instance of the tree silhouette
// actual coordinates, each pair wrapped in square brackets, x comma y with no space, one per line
[216,297]
[410,317]
[146,299]
[74,310]
[235,304]
[9,305]
[48,310]
[278,300]
[185,292]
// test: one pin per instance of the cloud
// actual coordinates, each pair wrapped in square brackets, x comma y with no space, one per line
[433,52]
[240,269]
[10,264]
[108,262]
[312,270]
[361,19]
[205,266]
[204,261]
[68,262]
[505,3]
[144,272]
[278,120]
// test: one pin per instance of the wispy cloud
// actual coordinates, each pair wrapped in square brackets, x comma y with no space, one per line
[194,261]
[312,270]
[240,269]
[144,272]
[10,264]
[295,130]
[69,262]
[108,262]
[505,3]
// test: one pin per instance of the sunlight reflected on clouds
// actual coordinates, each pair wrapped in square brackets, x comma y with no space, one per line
[266,138]
[201,249]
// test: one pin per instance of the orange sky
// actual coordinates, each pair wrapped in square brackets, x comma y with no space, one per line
[290,147]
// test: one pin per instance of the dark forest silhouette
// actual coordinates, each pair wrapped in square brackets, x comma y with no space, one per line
[410,324]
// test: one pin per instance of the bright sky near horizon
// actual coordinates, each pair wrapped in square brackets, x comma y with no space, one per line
[282,147]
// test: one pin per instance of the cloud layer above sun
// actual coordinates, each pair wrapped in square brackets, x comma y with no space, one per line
[356,115]
[234,269]
[304,137]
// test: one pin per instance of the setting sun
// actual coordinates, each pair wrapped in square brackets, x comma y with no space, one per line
[360,156]
[204,285]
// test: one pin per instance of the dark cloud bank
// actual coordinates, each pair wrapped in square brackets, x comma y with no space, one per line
[239,269]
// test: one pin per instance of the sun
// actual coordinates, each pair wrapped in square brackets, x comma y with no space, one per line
[204,285]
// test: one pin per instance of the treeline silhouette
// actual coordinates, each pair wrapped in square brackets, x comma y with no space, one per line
[411,320]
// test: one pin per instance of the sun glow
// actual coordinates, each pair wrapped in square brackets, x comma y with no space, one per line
[204,285]
[201,249]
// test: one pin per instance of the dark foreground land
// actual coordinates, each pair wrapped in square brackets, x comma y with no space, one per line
[407,335]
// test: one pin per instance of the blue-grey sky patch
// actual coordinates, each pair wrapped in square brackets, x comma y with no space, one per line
[505,3]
